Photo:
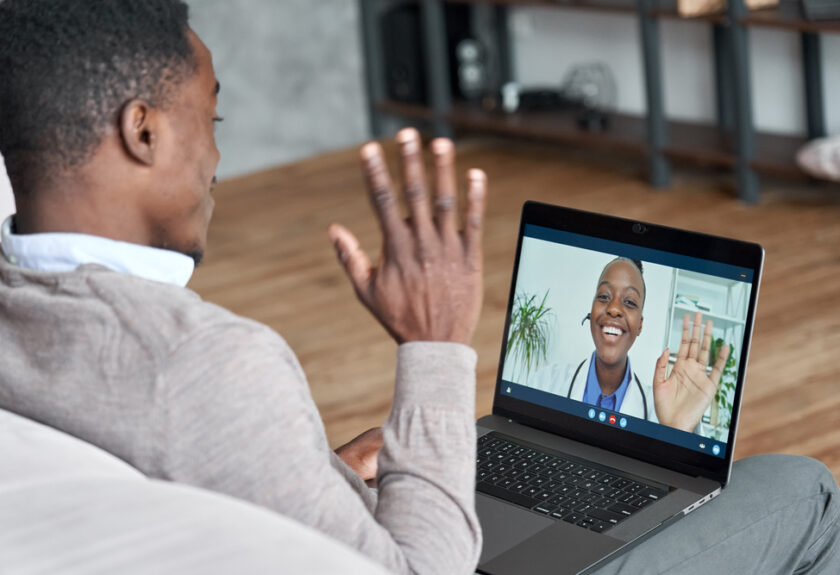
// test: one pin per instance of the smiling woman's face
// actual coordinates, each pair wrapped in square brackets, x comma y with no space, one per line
[616,316]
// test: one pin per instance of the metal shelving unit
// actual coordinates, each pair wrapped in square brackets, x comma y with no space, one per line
[731,143]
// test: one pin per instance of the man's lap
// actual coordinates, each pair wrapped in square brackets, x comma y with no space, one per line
[779,513]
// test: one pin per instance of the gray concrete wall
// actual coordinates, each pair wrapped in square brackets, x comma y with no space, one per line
[292,78]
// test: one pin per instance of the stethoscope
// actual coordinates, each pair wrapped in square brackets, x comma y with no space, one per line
[635,378]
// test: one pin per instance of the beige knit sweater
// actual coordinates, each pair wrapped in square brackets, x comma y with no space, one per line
[187,391]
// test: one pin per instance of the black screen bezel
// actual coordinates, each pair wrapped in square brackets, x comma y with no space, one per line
[694,244]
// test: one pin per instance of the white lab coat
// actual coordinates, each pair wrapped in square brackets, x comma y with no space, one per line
[557,379]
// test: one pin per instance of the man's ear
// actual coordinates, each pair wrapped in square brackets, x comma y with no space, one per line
[138,131]
[641,323]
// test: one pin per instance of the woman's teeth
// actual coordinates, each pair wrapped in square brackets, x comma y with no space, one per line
[609,330]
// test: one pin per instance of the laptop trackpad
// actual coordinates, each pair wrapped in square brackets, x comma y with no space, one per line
[505,526]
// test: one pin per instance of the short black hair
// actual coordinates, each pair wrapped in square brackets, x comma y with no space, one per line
[67,67]
[638,264]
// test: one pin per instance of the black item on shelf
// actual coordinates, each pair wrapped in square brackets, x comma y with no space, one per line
[593,120]
[546,99]
[821,9]
[405,74]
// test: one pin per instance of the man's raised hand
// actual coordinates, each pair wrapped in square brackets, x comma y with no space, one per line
[427,285]
[683,397]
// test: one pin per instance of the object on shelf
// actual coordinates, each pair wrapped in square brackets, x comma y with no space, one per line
[821,158]
[515,98]
[472,68]
[821,9]
[692,302]
[690,8]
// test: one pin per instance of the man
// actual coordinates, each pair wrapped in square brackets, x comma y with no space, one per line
[106,122]
[107,111]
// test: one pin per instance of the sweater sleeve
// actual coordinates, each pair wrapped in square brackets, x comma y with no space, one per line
[237,417]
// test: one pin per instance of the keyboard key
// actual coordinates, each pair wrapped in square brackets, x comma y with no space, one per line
[583,508]
[607,479]
[493,478]
[542,509]
[572,517]
[608,516]
[594,475]
[506,482]
[581,471]
[481,474]
[586,523]
[634,488]
[497,491]
[651,493]
[626,497]
[621,483]
[570,467]
[599,526]
[531,491]
[558,501]
[641,502]
[622,508]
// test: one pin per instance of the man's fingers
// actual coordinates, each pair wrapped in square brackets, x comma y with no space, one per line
[661,368]
[474,217]
[694,347]
[414,179]
[381,191]
[682,353]
[707,344]
[446,188]
[355,261]
[720,364]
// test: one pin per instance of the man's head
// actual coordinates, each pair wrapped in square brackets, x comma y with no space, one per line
[106,119]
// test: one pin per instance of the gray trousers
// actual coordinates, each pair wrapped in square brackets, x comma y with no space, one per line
[778,514]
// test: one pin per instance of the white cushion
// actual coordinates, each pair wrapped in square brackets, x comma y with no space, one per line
[67,507]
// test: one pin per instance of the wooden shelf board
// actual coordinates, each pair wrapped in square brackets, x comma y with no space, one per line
[776,154]
[788,16]
[706,144]
[687,141]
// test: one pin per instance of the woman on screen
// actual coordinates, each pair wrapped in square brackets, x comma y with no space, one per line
[606,380]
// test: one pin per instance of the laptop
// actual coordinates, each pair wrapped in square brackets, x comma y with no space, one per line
[595,442]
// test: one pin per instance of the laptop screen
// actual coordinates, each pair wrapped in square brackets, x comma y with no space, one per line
[597,328]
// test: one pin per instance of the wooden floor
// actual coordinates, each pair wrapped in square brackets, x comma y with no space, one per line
[269,259]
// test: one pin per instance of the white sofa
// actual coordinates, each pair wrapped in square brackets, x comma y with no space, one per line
[69,507]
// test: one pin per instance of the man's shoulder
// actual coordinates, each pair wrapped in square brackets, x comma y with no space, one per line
[165,316]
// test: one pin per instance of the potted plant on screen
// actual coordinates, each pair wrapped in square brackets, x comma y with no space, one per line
[721,412]
[530,330]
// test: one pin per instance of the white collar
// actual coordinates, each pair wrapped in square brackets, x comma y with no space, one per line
[63,252]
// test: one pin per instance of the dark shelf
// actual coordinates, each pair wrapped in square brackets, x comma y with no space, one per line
[624,131]
[776,154]
[788,16]
[697,143]
[668,9]
[623,6]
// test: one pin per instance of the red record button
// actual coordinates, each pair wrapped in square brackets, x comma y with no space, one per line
[612,420]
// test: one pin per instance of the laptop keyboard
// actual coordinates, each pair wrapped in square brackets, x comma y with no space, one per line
[564,488]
